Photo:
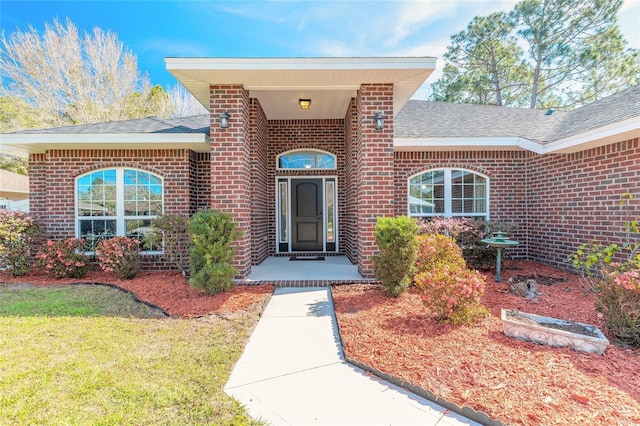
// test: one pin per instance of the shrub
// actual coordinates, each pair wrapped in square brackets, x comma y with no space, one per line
[618,299]
[616,285]
[450,290]
[120,255]
[171,233]
[211,253]
[435,250]
[468,234]
[19,235]
[63,259]
[393,265]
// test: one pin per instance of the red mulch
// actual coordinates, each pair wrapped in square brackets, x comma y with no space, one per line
[167,290]
[510,380]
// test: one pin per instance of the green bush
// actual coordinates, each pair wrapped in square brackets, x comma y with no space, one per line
[170,233]
[20,233]
[450,290]
[211,253]
[393,265]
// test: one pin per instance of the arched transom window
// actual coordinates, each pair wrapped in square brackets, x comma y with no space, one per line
[116,202]
[448,192]
[306,159]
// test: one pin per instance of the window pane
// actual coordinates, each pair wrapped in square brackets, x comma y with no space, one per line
[309,160]
[97,195]
[330,211]
[95,230]
[283,212]
[426,193]
[468,193]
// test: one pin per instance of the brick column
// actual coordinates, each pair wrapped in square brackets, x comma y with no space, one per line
[231,165]
[374,167]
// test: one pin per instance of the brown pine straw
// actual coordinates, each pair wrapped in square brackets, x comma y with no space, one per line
[512,381]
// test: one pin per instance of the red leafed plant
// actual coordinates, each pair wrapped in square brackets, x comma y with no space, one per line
[64,258]
[120,255]
[450,290]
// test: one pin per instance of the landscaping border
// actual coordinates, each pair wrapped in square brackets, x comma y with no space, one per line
[468,412]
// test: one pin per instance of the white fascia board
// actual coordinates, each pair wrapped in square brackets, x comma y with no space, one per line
[300,63]
[466,144]
[39,142]
[589,139]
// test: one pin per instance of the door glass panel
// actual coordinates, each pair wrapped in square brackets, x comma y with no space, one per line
[330,194]
[284,234]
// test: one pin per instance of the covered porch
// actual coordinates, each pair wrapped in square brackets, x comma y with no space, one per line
[266,116]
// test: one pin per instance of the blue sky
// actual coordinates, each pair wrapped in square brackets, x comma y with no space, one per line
[154,30]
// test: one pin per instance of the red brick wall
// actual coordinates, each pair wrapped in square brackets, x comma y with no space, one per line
[200,181]
[231,189]
[261,205]
[574,198]
[375,167]
[285,135]
[506,171]
[350,246]
[53,175]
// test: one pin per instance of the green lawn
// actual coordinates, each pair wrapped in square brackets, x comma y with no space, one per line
[115,370]
[72,300]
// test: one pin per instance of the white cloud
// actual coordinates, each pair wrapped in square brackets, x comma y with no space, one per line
[629,19]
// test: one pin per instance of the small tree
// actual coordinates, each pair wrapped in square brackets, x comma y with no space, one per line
[19,235]
[393,265]
[211,253]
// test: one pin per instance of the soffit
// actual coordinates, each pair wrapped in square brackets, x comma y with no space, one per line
[278,83]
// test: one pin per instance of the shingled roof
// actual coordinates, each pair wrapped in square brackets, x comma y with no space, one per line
[193,124]
[424,119]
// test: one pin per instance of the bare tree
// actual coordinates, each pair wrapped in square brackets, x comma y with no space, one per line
[184,103]
[74,78]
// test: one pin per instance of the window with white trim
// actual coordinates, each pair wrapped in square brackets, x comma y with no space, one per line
[448,192]
[306,159]
[116,202]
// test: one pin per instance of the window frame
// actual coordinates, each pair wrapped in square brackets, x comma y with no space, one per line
[120,218]
[448,200]
[304,150]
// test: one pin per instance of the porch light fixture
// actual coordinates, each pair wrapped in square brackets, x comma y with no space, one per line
[379,121]
[224,120]
[304,103]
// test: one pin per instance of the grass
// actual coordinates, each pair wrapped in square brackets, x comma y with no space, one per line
[74,300]
[115,370]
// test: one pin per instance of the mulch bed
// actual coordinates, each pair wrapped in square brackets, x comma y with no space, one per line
[512,381]
[167,290]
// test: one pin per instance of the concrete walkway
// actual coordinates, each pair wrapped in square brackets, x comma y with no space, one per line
[292,372]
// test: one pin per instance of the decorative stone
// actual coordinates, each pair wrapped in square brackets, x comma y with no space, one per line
[553,332]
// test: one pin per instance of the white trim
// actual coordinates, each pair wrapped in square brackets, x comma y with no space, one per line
[41,142]
[616,132]
[120,218]
[465,144]
[630,128]
[262,64]
[448,208]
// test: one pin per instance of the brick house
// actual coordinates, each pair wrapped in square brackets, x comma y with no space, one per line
[307,153]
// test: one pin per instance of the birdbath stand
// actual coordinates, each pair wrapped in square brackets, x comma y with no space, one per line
[499,241]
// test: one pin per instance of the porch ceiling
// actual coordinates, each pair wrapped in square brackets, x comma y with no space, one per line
[278,83]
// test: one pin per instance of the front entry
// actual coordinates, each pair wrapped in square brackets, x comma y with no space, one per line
[306,214]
